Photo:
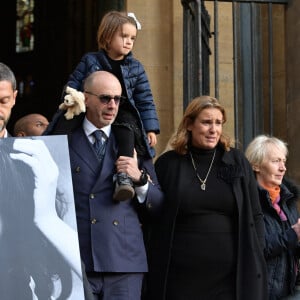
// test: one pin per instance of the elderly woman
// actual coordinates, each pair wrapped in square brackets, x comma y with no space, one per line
[208,243]
[278,198]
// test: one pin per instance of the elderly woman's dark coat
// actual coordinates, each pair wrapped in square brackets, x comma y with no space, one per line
[251,279]
[282,249]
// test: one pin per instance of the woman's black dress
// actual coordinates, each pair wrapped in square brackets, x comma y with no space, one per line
[203,253]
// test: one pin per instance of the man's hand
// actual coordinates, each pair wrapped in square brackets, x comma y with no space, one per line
[129,165]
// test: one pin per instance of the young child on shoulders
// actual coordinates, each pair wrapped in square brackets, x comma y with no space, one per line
[136,125]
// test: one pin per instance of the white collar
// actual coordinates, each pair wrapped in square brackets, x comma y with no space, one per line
[89,128]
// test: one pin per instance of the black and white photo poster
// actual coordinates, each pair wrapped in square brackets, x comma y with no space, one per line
[39,250]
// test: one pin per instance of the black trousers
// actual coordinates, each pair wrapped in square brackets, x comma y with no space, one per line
[116,286]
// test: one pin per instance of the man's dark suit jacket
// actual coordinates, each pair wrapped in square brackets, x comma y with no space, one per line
[110,233]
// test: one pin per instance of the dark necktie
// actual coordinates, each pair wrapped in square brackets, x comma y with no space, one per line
[98,145]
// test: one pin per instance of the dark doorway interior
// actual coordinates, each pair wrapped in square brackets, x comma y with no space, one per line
[64,30]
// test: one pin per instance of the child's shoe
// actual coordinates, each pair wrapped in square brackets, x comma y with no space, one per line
[124,188]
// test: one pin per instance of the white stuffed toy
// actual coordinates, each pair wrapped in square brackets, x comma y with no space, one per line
[74,103]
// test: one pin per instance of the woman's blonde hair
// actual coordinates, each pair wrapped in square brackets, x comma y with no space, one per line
[181,139]
[110,24]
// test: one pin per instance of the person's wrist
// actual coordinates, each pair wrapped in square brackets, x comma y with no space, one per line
[143,179]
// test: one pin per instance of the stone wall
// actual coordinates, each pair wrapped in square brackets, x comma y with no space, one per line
[293,86]
[159,48]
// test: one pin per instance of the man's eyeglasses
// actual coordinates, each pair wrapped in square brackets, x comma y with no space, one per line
[105,99]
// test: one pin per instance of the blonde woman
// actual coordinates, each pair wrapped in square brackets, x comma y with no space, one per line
[208,243]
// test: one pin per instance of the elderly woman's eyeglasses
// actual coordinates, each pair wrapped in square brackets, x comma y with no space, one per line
[105,99]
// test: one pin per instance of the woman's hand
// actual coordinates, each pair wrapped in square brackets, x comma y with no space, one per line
[296,228]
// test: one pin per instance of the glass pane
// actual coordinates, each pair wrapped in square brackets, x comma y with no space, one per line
[24,26]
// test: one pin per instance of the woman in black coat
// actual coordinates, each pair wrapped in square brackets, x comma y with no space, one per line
[278,198]
[208,243]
